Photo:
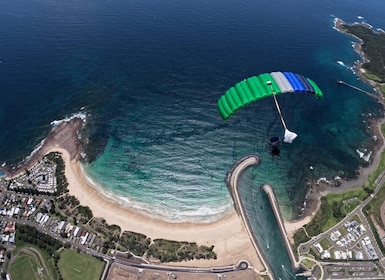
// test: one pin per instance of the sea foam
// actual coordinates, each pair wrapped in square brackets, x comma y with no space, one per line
[80,115]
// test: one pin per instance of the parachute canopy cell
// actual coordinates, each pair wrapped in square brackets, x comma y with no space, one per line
[261,86]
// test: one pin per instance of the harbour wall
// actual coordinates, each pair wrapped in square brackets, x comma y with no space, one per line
[232,183]
[278,216]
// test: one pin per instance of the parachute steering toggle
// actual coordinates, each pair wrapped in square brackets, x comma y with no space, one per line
[289,136]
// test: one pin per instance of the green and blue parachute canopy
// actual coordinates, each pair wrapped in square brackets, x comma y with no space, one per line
[261,86]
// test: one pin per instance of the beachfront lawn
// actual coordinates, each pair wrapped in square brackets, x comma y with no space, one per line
[74,265]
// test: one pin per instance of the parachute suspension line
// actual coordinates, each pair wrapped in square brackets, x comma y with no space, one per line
[279,110]
[289,136]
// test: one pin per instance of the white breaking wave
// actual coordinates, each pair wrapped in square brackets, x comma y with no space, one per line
[79,115]
[37,148]
[204,214]
[55,123]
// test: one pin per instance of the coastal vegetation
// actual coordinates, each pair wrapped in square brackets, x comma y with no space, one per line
[31,235]
[327,216]
[373,45]
[334,207]
[175,251]
[136,243]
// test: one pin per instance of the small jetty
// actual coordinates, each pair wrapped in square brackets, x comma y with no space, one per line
[376,96]
[278,216]
[232,184]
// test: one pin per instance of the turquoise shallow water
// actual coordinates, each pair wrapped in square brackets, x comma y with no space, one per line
[148,75]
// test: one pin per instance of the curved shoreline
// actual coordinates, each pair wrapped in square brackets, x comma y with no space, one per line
[230,240]
[278,216]
[357,46]
[227,235]
[127,202]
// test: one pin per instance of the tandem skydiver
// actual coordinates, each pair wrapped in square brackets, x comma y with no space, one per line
[273,146]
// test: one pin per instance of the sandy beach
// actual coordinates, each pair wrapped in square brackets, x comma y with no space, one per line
[229,237]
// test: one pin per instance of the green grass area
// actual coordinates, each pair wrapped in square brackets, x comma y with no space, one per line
[343,231]
[332,210]
[325,244]
[357,218]
[334,207]
[74,265]
[314,251]
[338,199]
[382,88]
[374,207]
[31,263]
[372,77]
[24,267]
[349,207]
[308,263]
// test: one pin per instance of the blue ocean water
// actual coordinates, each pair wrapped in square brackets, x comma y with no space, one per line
[148,74]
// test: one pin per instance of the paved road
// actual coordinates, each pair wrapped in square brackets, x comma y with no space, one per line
[304,248]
